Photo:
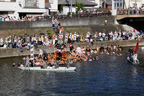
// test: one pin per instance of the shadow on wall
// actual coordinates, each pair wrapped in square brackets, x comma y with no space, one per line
[136,23]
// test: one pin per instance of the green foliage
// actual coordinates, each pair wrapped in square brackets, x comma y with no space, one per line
[48,31]
[84,9]
[61,7]
[69,13]
[79,5]
[26,34]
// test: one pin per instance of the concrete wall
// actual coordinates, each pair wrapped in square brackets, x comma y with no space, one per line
[66,22]
[80,29]
[25,24]
[88,21]
[125,43]
[15,52]
[4,53]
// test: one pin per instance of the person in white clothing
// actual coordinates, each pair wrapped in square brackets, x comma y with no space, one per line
[100,34]
[75,36]
[78,50]
[1,42]
[40,52]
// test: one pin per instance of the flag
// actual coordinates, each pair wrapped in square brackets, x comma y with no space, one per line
[136,47]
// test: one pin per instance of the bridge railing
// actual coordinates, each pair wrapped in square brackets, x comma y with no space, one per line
[60,17]
[130,12]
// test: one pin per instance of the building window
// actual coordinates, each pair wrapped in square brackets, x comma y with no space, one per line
[31,3]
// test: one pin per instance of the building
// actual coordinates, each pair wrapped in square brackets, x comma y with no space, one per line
[19,8]
[118,3]
[87,4]
[134,3]
[53,8]
[98,2]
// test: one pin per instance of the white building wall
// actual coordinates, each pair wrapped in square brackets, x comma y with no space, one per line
[98,2]
[132,2]
[67,9]
[54,5]
[142,1]
[41,3]
[14,8]
[7,6]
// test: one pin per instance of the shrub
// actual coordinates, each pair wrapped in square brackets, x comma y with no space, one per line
[48,31]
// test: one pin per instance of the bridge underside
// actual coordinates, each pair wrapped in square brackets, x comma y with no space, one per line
[135,22]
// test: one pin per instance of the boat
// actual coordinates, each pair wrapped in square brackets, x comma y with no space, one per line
[63,69]
[133,62]
[133,59]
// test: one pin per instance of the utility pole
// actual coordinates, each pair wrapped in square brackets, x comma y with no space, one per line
[113,7]
[101,3]
[122,4]
[122,7]
[135,3]
[71,8]
[129,8]
[119,4]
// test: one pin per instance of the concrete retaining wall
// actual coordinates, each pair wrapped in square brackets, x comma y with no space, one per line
[125,43]
[15,52]
[66,22]
[88,21]
[4,53]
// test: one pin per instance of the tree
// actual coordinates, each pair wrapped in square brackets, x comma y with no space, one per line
[61,7]
[79,5]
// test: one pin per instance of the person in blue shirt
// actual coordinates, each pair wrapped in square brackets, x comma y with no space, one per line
[0,18]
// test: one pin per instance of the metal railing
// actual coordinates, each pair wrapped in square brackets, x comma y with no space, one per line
[61,17]
[130,12]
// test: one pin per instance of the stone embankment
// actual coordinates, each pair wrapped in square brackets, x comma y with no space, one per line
[72,29]
[65,23]
[14,52]
[123,43]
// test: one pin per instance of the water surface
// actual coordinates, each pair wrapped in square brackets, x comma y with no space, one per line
[109,76]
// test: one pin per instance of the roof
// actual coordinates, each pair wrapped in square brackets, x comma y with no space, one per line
[86,3]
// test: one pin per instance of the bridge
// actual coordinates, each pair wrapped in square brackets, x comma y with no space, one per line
[135,21]
[119,17]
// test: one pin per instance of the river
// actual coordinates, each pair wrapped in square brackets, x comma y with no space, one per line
[109,76]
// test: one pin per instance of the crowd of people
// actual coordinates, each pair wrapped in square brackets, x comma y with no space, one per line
[92,12]
[23,18]
[131,10]
[52,40]
[60,40]
[62,58]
